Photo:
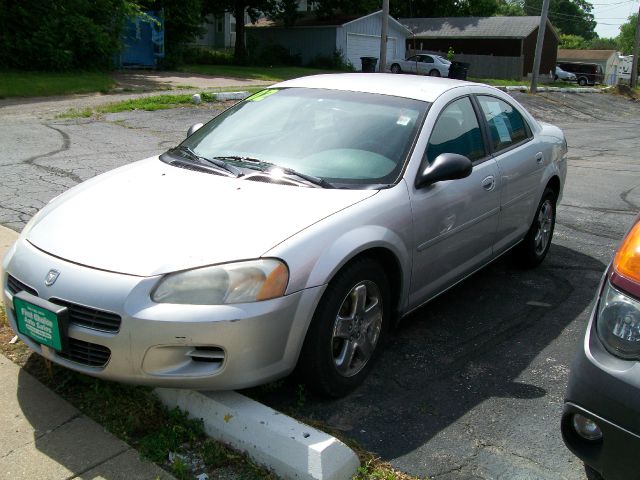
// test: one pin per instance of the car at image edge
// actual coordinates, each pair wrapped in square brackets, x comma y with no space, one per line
[601,417]
[293,229]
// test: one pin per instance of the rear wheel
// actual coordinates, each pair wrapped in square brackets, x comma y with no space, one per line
[582,81]
[434,73]
[535,245]
[395,68]
[347,330]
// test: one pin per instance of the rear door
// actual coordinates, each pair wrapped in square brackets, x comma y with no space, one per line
[521,165]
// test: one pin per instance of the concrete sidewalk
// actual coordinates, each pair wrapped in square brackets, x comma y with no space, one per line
[45,437]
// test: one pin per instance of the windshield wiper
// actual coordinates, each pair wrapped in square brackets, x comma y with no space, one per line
[216,162]
[269,167]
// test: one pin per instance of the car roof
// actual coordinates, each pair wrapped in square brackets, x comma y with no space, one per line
[408,86]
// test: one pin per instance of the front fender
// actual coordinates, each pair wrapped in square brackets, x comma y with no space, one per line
[317,253]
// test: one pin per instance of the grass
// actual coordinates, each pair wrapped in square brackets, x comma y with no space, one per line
[269,74]
[33,84]
[497,82]
[150,103]
[134,414]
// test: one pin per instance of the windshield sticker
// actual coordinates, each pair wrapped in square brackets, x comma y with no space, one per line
[257,97]
[403,120]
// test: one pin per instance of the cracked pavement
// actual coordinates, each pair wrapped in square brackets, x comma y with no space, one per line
[471,385]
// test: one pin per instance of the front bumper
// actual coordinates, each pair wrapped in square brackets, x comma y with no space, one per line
[186,346]
[606,390]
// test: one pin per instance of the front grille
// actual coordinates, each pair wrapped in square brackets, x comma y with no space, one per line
[16,286]
[85,353]
[90,317]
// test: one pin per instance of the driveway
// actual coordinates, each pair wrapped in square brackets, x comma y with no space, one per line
[471,386]
[155,80]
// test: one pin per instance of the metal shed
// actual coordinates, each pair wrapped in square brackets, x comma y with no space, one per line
[310,37]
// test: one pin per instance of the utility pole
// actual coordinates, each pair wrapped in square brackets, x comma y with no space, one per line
[633,82]
[539,43]
[383,36]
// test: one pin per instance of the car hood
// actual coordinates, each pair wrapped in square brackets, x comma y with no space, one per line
[151,218]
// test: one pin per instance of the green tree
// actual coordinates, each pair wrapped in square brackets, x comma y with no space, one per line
[62,34]
[238,8]
[572,42]
[571,17]
[445,8]
[285,10]
[510,8]
[627,35]
[603,44]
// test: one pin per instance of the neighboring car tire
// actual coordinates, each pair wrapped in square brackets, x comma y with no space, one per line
[535,245]
[434,73]
[582,81]
[555,78]
[347,331]
[395,68]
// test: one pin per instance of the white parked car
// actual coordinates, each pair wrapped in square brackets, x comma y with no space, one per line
[560,74]
[291,230]
[423,64]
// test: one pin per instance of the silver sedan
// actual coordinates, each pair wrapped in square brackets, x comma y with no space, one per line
[290,232]
[423,64]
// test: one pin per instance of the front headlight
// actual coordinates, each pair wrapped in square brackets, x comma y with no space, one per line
[241,282]
[618,323]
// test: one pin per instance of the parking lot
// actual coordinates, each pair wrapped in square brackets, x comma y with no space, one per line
[470,386]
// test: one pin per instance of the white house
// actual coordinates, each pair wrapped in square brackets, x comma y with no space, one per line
[353,36]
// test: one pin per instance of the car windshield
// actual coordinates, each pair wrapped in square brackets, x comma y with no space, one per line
[350,139]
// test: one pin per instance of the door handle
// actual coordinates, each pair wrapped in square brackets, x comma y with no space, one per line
[489,183]
[539,157]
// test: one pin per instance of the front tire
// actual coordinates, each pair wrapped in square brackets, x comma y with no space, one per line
[347,331]
[536,243]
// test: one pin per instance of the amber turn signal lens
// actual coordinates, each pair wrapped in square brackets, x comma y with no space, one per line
[627,259]
[275,284]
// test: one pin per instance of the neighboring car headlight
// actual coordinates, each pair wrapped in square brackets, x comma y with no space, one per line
[618,323]
[242,282]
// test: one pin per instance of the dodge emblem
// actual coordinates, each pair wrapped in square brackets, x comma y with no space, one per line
[51,277]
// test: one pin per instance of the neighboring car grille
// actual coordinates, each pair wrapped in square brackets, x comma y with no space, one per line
[90,317]
[78,314]
[16,285]
[90,354]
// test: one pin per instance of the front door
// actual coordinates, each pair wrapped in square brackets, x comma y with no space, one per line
[454,221]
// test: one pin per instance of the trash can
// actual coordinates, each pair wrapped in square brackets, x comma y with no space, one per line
[458,70]
[369,64]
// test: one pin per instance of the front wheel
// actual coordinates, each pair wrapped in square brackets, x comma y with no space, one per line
[536,243]
[347,330]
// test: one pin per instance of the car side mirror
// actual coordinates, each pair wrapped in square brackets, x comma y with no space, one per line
[446,166]
[193,128]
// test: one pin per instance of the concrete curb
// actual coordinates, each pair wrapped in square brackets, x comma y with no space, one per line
[290,448]
[525,88]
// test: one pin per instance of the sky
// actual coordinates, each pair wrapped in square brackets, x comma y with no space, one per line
[610,14]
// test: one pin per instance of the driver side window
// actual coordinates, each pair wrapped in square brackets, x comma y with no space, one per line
[456,131]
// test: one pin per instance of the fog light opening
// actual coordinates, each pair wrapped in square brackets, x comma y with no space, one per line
[586,428]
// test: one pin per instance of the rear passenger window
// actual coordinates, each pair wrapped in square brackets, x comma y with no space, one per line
[506,125]
[456,131]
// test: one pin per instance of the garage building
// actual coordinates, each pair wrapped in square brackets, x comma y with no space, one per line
[311,37]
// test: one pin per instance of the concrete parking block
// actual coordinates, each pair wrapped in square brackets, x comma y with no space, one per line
[126,466]
[290,448]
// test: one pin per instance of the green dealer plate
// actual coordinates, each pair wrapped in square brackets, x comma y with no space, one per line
[38,323]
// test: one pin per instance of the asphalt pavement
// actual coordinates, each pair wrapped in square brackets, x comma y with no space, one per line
[471,385]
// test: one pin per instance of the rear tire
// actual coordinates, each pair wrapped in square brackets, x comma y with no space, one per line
[347,331]
[535,245]
[395,68]
[434,73]
[582,81]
